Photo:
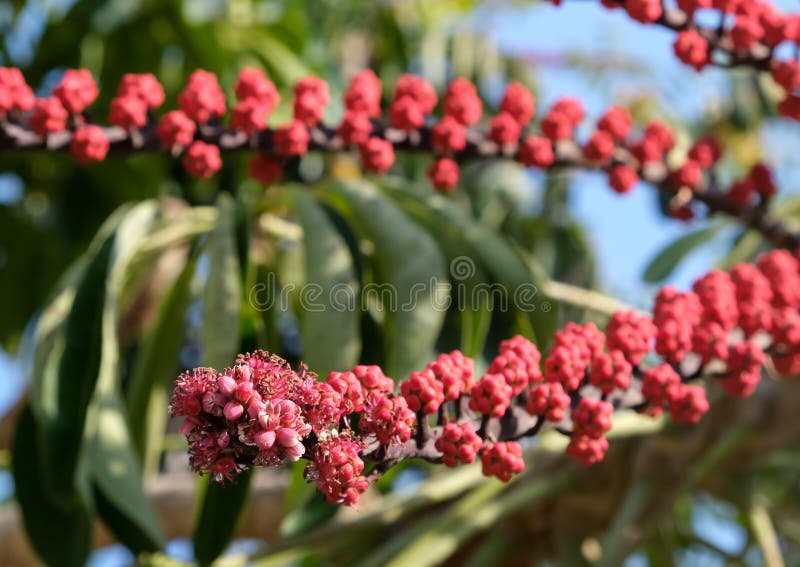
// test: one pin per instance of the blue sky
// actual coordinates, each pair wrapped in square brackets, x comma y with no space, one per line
[627,230]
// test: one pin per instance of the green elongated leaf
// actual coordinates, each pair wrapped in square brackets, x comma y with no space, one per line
[745,248]
[379,514]
[665,262]
[306,506]
[263,299]
[222,297]
[471,291]
[219,515]
[112,463]
[282,62]
[432,541]
[222,300]
[154,370]
[116,474]
[501,259]
[187,226]
[751,242]
[68,381]
[67,359]
[410,272]
[242,231]
[58,522]
[329,315]
[475,323]
[492,549]
[59,531]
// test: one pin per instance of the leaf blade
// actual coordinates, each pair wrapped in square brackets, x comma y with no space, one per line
[111,461]
[60,533]
[410,263]
[222,295]
[668,258]
[330,327]
[221,510]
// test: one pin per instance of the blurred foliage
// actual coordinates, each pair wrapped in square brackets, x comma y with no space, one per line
[51,223]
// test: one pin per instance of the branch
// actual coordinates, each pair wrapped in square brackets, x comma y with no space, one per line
[354,426]
[198,135]
[567,157]
[765,535]
[588,508]
[759,56]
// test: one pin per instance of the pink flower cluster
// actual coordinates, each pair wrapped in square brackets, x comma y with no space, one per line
[262,412]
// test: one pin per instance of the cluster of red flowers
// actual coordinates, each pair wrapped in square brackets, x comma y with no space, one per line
[261,412]
[749,33]
[610,147]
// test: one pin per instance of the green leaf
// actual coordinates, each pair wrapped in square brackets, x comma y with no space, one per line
[329,315]
[749,243]
[307,508]
[744,249]
[154,370]
[282,62]
[222,300]
[112,463]
[219,515]
[222,296]
[57,523]
[68,382]
[59,531]
[392,509]
[502,260]
[471,303]
[119,490]
[409,268]
[433,540]
[668,258]
[242,231]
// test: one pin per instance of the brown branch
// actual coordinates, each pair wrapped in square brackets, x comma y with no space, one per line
[668,460]
[568,156]
[758,57]
[516,423]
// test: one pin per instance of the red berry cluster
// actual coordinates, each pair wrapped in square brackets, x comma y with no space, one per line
[336,468]
[194,132]
[458,443]
[749,34]
[261,412]
[502,460]
[591,419]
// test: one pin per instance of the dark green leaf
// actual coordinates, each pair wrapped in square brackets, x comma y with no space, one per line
[59,531]
[112,463]
[306,506]
[501,259]
[222,505]
[470,302]
[70,388]
[242,225]
[329,314]
[154,370]
[409,269]
[222,296]
[668,258]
